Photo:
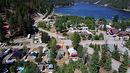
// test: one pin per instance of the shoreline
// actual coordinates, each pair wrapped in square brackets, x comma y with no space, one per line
[125,10]
[109,18]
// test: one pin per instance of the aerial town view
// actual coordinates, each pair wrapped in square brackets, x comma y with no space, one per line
[64,36]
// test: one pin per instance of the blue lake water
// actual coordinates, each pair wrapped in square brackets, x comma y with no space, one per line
[84,9]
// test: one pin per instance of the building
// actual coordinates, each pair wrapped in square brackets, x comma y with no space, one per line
[123,33]
[113,31]
[80,30]
[73,54]
[50,68]
[128,29]
[60,54]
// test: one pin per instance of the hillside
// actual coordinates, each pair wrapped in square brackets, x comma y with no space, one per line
[121,4]
[16,16]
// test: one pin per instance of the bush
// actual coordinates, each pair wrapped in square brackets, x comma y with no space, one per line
[101,36]
[42,25]
[96,37]
[80,51]
[38,59]
[128,43]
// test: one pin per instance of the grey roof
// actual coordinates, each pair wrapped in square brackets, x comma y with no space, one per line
[50,66]
[111,47]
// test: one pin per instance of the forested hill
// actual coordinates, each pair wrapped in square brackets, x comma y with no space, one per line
[17,14]
[122,4]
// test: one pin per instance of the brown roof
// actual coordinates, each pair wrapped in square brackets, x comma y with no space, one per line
[123,33]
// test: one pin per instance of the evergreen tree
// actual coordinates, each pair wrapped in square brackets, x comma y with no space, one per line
[123,24]
[125,58]
[1,30]
[94,66]
[128,24]
[116,18]
[45,37]
[122,68]
[116,54]
[75,39]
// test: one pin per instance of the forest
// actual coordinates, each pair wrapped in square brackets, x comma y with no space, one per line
[16,15]
[121,4]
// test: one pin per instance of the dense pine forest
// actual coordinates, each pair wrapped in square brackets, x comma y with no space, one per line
[16,15]
[121,4]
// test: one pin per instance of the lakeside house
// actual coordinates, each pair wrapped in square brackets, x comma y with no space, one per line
[128,29]
[80,30]
[60,54]
[102,26]
[113,31]
[73,54]
[123,33]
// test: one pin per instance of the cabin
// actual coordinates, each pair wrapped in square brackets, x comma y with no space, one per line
[128,29]
[72,52]
[6,27]
[18,53]
[123,33]
[33,55]
[113,31]
[60,54]
[50,67]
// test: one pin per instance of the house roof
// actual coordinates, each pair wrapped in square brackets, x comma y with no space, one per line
[61,52]
[114,31]
[111,48]
[72,51]
[51,66]
[1,55]
[18,53]
[123,33]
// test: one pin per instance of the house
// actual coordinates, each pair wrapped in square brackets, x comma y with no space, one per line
[72,52]
[60,54]
[34,54]
[20,69]
[50,67]
[128,29]
[44,49]
[111,47]
[107,26]
[113,31]
[18,53]
[81,32]
[2,55]
[10,61]
[29,36]
[42,67]
[123,33]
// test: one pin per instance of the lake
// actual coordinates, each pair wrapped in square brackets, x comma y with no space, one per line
[84,9]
